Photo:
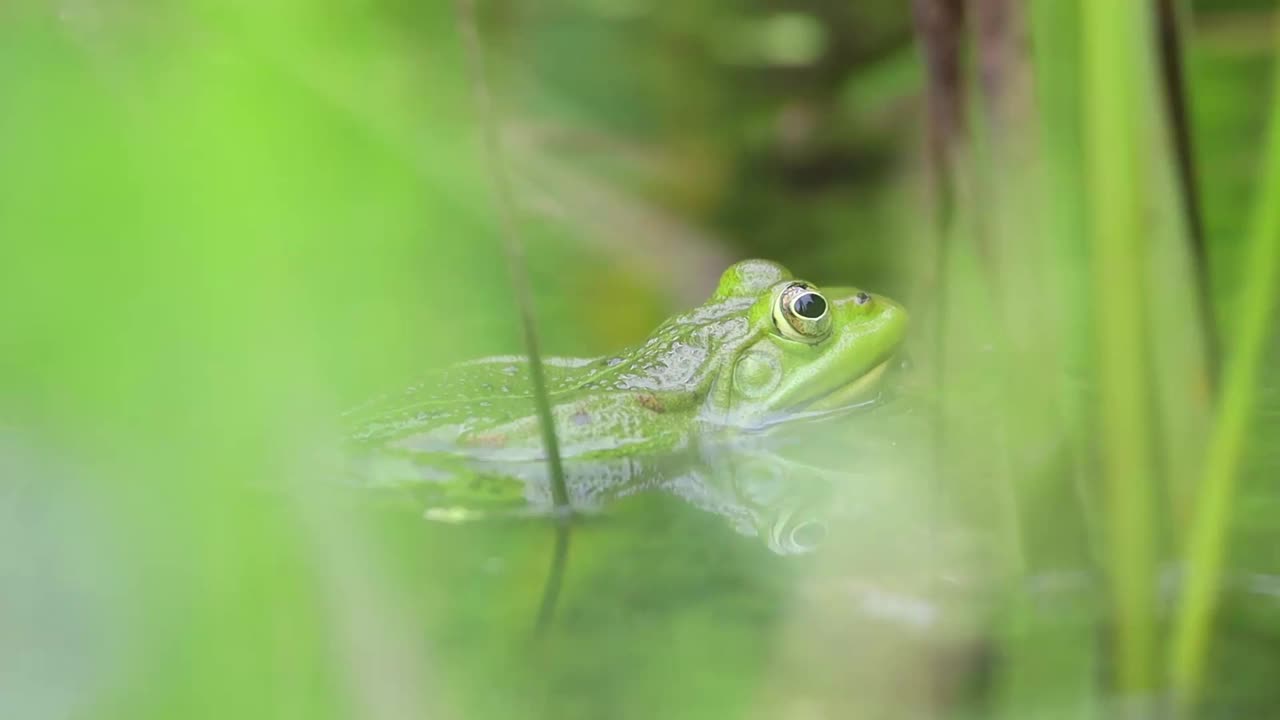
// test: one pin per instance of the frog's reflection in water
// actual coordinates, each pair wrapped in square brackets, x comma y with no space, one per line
[760,486]
[756,489]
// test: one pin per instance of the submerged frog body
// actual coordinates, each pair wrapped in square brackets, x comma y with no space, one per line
[764,348]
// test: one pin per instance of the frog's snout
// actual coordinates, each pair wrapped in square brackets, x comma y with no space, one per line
[860,309]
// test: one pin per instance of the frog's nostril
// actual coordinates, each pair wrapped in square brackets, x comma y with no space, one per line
[862,298]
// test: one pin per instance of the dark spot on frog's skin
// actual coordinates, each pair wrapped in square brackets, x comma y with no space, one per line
[491,440]
[582,417]
[651,402]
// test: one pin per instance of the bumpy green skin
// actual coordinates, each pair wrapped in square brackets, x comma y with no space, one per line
[723,365]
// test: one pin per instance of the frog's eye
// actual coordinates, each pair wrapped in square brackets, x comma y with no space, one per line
[801,314]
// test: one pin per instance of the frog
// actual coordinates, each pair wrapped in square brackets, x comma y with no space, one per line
[765,348]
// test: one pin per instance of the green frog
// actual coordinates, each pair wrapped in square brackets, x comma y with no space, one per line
[765,349]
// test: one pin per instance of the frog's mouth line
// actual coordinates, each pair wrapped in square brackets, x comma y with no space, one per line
[853,394]
[859,393]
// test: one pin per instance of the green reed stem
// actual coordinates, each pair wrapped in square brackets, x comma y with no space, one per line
[1211,523]
[1170,29]
[939,32]
[1056,37]
[513,247]
[1111,93]
[555,579]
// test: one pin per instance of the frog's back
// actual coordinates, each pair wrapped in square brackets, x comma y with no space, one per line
[477,392]
[642,399]
[645,398]
[485,408]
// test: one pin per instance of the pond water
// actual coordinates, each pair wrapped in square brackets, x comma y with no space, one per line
[818,570]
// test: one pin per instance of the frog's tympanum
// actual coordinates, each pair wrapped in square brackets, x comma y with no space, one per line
[766,348]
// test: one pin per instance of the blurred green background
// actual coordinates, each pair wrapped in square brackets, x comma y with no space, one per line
[224,222]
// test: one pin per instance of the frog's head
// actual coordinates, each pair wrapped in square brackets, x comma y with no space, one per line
[808,349]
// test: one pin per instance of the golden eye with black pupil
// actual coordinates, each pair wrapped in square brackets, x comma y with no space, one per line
[809,305]
[800,313]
